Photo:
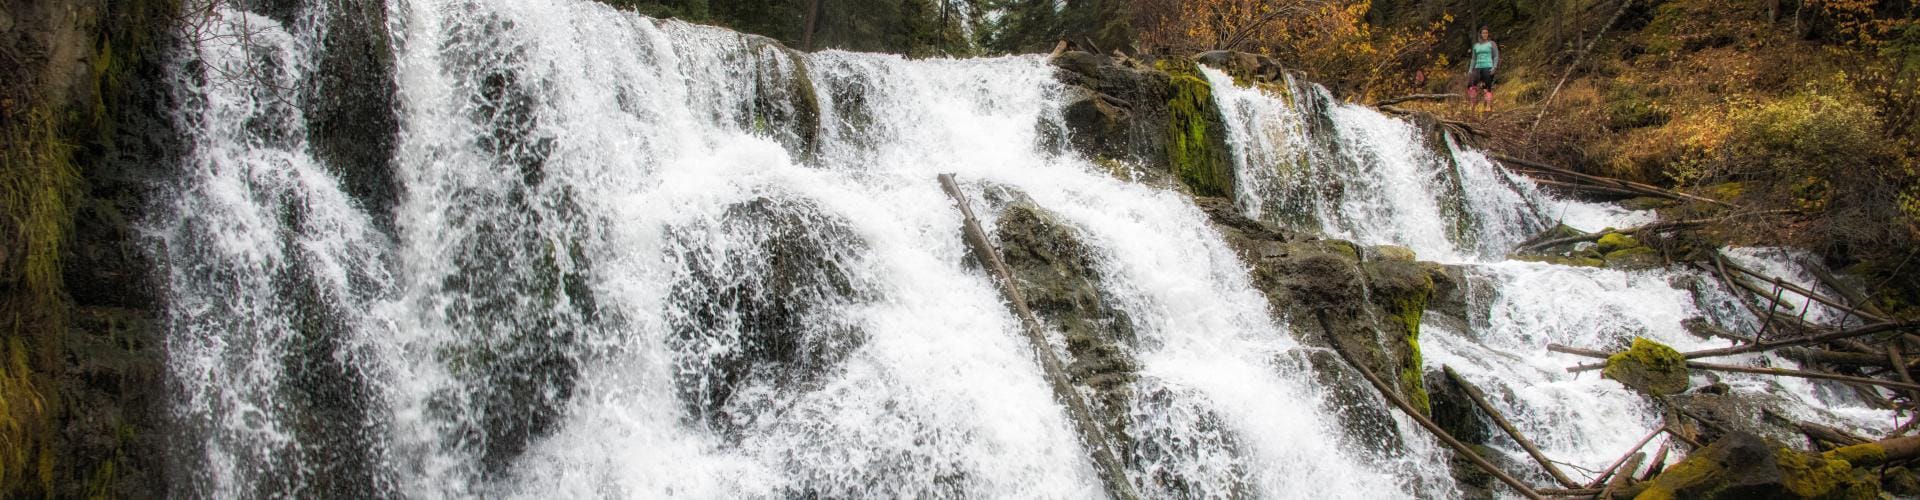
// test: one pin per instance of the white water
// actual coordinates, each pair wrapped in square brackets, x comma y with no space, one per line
[1369,178]
[619,270]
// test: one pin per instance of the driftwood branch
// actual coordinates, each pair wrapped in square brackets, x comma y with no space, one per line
[1609,182]
[1392,397]
[1734,368]
[1656,227]
[1802,374]
[1611,469]
[1092,434]
[1810,294]
[1415,97]
[1480,400]
[1623,476]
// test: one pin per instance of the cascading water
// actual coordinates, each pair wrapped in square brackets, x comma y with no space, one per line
[639,258]
[1357,174]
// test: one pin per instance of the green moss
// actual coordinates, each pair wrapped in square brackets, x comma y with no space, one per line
[1860,454]
[1343,247]
[1810,476]
[1649,367]
[1195,152]
[1616,241]
[1406,311]
[1695,470]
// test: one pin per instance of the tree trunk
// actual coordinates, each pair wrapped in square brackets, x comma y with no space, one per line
[813,19]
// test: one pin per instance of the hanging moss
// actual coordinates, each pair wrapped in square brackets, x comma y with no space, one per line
[1406,311]
[1196,145]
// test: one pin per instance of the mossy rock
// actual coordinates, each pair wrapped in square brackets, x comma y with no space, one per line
[1745,466]
[1649,367]
[1634,258]
[1564,260]
[1196,135]
[1057,274]
[1611,242]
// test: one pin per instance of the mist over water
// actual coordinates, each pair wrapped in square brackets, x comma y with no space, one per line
[641,258]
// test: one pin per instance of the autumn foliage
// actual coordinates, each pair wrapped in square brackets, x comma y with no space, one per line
[1329,39]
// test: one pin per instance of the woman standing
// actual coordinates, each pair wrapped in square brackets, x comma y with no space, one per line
[1486,57]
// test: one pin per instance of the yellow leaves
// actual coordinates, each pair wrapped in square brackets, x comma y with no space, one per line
[1331,40]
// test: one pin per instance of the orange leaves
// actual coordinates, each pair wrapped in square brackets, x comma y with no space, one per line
[1331,40]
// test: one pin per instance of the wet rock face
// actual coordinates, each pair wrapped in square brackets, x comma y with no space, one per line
[756,305]
[784,106]
[1057,277]
[351,111]
[1373,306]
[1734,412]
[1455,411]
[1116,110]
[87,84]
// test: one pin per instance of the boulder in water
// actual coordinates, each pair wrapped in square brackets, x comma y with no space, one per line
[1649,367]
[1745,466]
[1374,306]
[1055,273]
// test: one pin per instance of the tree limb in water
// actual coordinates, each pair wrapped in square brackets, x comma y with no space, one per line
[1426,423]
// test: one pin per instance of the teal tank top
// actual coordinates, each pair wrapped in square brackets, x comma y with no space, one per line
[1483,55]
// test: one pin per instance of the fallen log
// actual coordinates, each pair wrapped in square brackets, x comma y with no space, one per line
[1861,331]
[1092,434]
[1571,492]
[1658,463]
[1576,64]
[1426,423]
[1415,97]
[1731,368]
[1620,479]
[1646,189]
[1878,452]
[1829,434]
[1816,297]
[1654,227]
[1846,292]
[1588,188]
[1803,374]
[1480,400]
[1836,358]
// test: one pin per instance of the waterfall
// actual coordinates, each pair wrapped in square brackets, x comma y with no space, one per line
[643,258]
[1315,163]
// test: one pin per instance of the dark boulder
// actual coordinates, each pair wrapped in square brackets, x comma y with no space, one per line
[1053,270]
[764,312]
[1374,306]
